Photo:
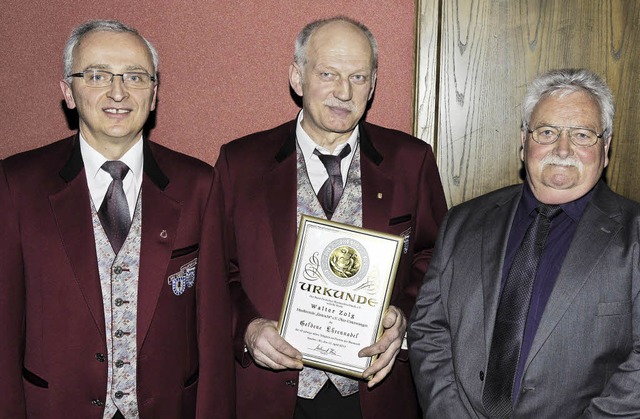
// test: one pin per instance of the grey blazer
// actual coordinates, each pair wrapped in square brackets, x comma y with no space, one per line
[585,357]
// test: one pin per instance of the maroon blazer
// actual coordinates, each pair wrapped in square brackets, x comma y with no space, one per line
[53,359]
[258,175]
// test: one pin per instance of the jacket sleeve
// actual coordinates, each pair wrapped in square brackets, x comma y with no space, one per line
[430,350]
[619,398]
[243,311]
[430,211]
[12,303]
[216,383]
[431,208]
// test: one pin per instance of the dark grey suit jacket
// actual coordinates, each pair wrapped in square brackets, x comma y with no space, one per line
[582,362]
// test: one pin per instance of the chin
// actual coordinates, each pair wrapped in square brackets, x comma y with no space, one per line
[342,129]
[561,179]
[560,185]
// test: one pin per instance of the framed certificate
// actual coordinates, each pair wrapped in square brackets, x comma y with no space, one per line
[339,287]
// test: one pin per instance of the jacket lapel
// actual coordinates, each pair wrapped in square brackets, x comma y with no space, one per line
[495,236]
[377,186]
[71,208]
[596,229]
[281,196]
[280,190]
[160,214]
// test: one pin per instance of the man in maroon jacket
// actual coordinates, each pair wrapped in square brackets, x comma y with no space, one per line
[113,299]
[389,183]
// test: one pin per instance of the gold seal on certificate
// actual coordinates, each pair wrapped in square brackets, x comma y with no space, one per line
[339,288]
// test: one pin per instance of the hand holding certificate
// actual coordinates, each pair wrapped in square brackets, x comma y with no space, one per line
[339,288]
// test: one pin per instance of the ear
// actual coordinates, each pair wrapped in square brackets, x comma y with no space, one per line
[523,138]
[295,78]
[374,78]
[68,94]
[153,101]
[607,144]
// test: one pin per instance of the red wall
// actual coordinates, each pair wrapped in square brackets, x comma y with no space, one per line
[223,65]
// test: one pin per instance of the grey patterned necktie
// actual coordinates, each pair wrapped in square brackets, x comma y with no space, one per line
[512,316]
[331,191]
[114,211]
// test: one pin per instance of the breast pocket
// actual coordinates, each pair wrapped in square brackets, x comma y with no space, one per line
[183,269]
[185,251]
[399,220]
[615,308]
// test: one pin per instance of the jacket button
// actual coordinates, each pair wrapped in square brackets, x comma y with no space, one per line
[290,383]
[481,375]
[96,402]
[100,357]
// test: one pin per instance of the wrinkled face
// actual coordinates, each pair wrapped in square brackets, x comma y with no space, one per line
[563,172]
[336,82]
[113,114]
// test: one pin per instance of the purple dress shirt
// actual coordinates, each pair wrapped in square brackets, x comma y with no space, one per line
[563,227]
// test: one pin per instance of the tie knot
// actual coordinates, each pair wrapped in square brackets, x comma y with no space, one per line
[549,211]
[117,169]
[331,162]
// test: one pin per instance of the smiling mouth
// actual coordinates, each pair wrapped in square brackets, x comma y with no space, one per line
[116,111]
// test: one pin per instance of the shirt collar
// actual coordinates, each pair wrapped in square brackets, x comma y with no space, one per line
[307,145]
[573,209]
[93,160]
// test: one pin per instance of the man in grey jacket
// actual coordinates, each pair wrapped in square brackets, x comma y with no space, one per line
[502,329]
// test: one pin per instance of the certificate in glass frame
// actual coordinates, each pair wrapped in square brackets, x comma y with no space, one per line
[339,288]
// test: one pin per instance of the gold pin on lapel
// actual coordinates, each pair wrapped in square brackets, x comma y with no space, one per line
[379,195]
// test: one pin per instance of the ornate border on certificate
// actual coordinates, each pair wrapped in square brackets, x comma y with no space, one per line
[339,287]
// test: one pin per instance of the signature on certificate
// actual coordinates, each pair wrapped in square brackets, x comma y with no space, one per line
[324,351]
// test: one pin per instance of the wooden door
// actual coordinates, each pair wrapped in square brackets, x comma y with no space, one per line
[474,60]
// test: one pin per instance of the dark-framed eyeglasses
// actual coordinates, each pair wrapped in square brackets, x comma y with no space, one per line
[102,78]
[580,136]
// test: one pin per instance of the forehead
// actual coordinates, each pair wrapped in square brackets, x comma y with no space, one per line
[111,50]
[339,42]
[565,107]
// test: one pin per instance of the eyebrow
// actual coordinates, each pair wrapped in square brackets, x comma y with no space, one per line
[547,124]
[107,67]
[334,67]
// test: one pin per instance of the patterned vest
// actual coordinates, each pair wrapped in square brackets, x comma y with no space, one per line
[348,211]
[119,285]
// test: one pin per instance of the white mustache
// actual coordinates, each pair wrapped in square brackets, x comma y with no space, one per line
[335,103]
[558,161]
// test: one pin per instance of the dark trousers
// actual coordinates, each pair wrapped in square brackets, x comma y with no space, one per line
[118,415]
[328,404]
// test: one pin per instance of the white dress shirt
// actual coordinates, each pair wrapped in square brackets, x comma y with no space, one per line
[315,169]
[99,180]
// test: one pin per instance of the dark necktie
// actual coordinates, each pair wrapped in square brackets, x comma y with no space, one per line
[331,191]
[512,316]
[114,211]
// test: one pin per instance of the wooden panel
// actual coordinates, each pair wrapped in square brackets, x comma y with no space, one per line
[491,49]
[426,77]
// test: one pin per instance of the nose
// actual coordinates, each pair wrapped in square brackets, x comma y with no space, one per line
[564,146]
[343,90]
[117,90]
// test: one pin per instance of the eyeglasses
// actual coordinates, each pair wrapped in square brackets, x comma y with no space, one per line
[580,136]
[101,78]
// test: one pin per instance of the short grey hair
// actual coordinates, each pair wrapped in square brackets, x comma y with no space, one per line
[571,80]
[102,25]
[302,40]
